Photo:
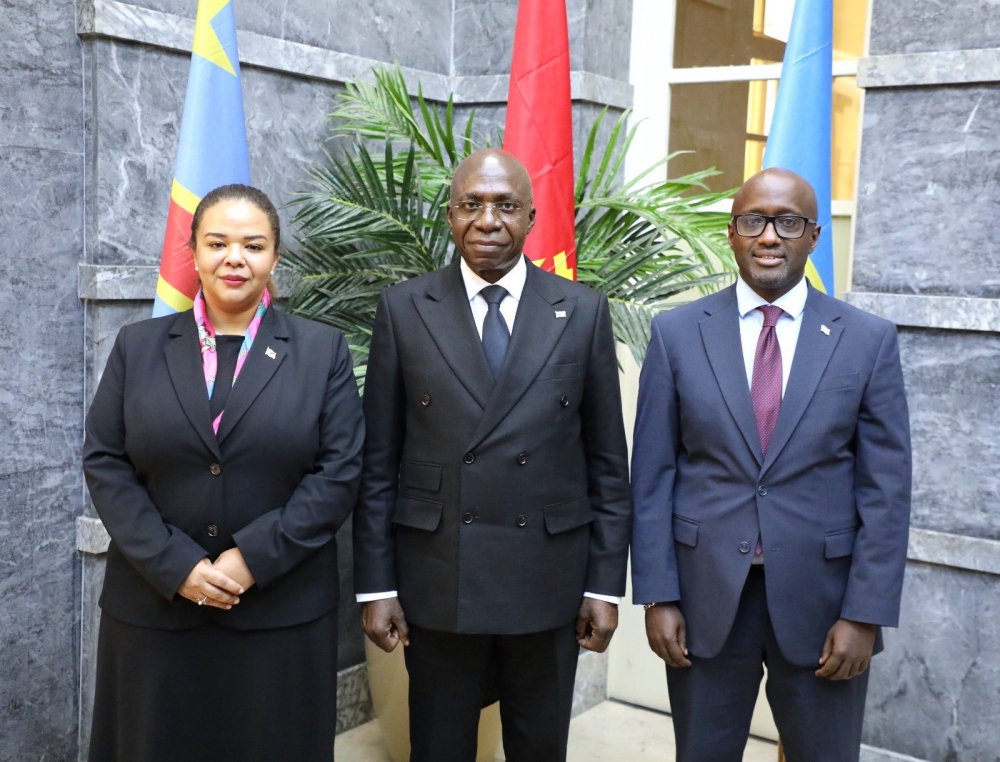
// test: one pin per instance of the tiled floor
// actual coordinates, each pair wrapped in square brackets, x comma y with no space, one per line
[610,732]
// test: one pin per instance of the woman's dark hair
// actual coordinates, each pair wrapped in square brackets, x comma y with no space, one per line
[239,192]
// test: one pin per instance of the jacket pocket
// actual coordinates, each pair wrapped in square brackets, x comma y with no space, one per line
[841,542]
[837,381]
[417,513]
[569,514]
[560,370]
[685,531]
[425,476]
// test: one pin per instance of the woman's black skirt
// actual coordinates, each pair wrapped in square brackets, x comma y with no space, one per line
[215,694]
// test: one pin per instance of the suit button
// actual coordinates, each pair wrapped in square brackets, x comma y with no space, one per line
[213,530]
[564,401]
[521,521]
[426,400]
[215,468]
[469,458]
[762,490]
[467,517]
[744,547]
[522,459]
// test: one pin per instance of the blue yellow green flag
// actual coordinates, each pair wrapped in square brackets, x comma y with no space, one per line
[212,150]
[800,136]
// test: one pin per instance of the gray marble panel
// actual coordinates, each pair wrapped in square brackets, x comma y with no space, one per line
[39,615]
[929,192]
[40,87]
[913,26]
[871,754]
[137,133]
[415,33]
[354,700]
[607,39]
[90,622]
[940,68]
[954,312]
[41,320]
[483,36]
[952,384]
[933,692]
[591,686]
[957,551]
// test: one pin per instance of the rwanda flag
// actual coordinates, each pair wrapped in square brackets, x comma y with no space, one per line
[800,137]
[212,150]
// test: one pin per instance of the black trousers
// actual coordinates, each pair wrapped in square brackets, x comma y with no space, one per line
[453,676]
[712,701]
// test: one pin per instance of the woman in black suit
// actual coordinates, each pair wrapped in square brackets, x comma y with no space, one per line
[223,450]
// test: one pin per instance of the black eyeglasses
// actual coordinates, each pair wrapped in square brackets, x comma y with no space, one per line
[470,210]
[785,225]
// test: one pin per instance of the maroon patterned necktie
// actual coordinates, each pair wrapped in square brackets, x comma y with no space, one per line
[765,387]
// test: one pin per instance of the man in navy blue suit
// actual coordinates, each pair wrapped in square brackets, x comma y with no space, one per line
[771,490]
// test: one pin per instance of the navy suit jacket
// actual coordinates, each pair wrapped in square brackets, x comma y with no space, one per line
[831,500]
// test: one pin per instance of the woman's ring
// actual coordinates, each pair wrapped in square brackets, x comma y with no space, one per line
[202,601]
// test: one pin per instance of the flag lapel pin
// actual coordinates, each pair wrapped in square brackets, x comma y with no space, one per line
[560,313]
[825,330]
[272,354]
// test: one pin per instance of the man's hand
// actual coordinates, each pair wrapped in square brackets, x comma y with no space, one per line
[666,633]
[210,586]
[595,624]
[847,650]
[231,564]
[384,623]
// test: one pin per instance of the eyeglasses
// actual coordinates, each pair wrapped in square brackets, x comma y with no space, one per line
[470,210]
[785,225]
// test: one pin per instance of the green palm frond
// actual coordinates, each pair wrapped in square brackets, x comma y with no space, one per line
[377,217]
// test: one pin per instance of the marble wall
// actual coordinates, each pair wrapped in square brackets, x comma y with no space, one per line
[927,198]
[89,121]
[41,340]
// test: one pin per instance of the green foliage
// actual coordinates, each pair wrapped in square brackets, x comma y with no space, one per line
[377,217]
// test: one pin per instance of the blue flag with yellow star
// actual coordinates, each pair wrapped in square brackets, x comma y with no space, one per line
[212,150]
[800,136]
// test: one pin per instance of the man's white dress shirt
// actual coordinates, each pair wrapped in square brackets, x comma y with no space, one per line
[513,282]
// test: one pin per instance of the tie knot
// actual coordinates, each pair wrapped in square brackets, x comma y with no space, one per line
[771,315]
[494,294]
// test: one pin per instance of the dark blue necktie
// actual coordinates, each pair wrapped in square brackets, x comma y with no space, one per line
[496,335]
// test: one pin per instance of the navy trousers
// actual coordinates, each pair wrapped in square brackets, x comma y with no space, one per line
[712,701]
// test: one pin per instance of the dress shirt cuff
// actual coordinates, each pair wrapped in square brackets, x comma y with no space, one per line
[366,597]
[606,598]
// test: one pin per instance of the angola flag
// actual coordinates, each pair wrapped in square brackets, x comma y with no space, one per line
[539,129]
[212,149]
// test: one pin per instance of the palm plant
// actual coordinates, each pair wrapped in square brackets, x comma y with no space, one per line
[376,216]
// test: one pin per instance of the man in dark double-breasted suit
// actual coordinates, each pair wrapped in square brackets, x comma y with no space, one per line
[771,482]
[492,530]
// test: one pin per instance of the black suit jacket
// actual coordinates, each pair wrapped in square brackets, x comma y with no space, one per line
[491,507]
[278,480]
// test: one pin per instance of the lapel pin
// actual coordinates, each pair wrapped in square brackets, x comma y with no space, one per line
[560,313]
[272,354]
[825,330]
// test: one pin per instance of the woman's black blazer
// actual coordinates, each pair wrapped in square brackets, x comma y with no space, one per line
[277,481]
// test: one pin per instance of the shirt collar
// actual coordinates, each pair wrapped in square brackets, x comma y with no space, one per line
[513,281]
[792,303]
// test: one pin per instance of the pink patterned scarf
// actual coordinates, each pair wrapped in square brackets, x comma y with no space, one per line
[206,338]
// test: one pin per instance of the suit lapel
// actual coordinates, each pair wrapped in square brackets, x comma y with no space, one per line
[536,332]
[187,375]
[812,354]
[269,348]
[446,313]
[720,333]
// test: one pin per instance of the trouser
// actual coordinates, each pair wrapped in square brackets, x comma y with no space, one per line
[712,701]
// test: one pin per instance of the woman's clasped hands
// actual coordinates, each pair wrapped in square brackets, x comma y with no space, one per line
[219,584]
